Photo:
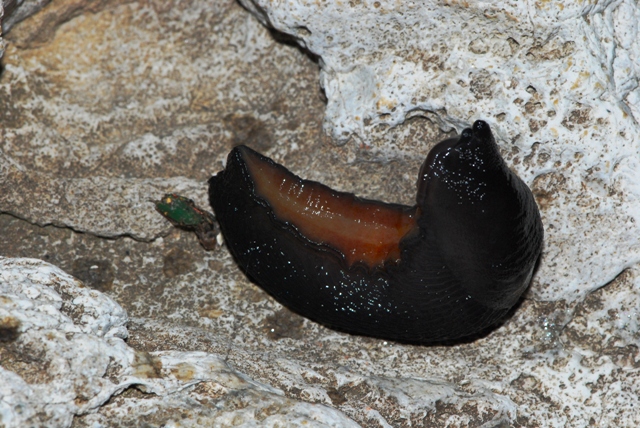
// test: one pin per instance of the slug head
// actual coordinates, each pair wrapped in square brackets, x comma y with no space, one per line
[480,215]
[463,166]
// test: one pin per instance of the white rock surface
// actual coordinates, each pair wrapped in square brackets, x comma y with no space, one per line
[72,358]
[561,74]
[69,357]
[197,79]
[66,336]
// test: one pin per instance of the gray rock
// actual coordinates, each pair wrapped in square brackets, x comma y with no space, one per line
[106,106]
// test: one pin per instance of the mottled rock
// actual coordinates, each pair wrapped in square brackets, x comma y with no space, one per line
[105,109]
[557,81]
[67,357]
[82,203]
[18,10]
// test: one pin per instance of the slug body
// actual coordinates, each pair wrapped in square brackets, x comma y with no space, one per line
[449,267]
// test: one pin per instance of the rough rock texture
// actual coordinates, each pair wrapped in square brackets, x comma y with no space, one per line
[558,81]
[52,323]
[1,41]
[19,10]
[105,105]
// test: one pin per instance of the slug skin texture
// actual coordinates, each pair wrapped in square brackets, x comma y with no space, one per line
[447,268]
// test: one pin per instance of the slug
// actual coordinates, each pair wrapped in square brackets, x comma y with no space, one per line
[447,268]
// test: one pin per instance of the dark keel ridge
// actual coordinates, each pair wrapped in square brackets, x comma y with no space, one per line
[448,268]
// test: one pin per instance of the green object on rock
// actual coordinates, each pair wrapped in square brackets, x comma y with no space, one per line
[182,212]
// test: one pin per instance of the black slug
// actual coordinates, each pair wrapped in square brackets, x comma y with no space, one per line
[446,268]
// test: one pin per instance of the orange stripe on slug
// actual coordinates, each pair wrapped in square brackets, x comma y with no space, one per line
[363,231]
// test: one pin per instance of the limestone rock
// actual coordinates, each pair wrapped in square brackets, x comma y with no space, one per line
[69,357]
[557,81]
[109,107]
